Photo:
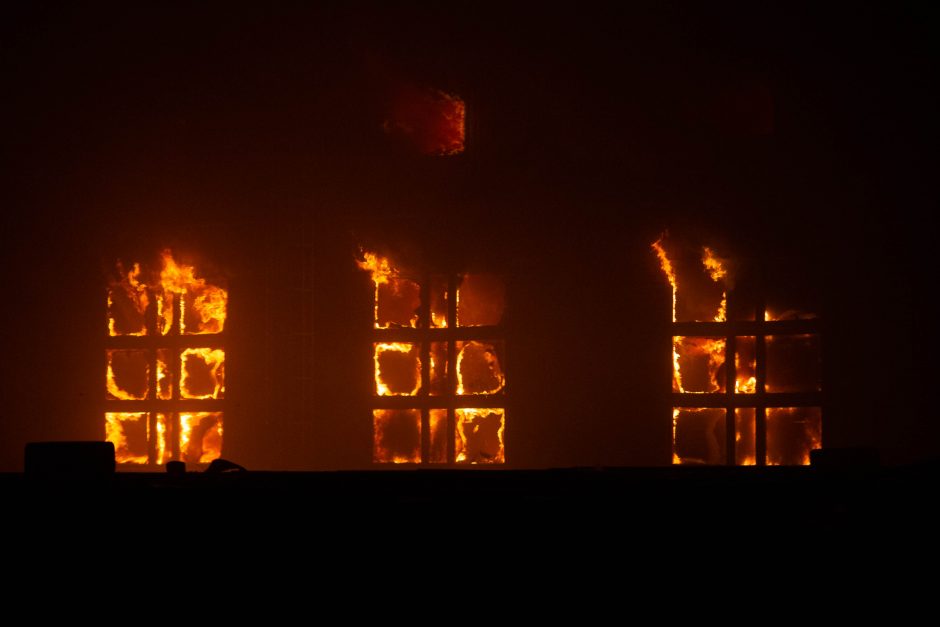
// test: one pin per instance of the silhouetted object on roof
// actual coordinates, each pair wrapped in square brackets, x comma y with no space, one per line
[218,466]
[69,460]
[176,468]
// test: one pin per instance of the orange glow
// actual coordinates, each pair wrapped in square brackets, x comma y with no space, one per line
[719,274]
[163,447]
[396,299]
[478,369]
[432,121]
[202,373]
[128,432]
[480,436]
[792,433]
[396,436]
[397,369]
[127,304]
[699,361]
[669,271]
[202,306]
[127,375]
[200,437]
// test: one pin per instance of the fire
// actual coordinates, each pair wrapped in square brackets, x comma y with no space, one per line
[397,369]
[163,452]
[128,433]
[478,369]
[396,436]
[127,375]
[200,437]
[670,272]
[719,274]
[203,373]
[396,299]
[127,304]
[480,436]
[202,306]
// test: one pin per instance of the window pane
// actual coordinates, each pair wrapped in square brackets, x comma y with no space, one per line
[396,435]
[479,437]
[128,377]
[397,369]
[164,374]
[792,432]
[699,436]
[203,373]
[204,308]
[793,363]
[163,448]
[127,306]
[128,433]
[481,299]
[745,365]
[438,302]
[200,437]
[479,370]
[745,436]
[698,364]
[397,303]
[438,436]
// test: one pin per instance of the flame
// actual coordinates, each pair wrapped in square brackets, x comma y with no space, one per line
[209,445]
[163,451]
[207,302]
[718,273]
[480,435]
[675,421]
[748,386]
[396,291]
[382,388]
[490,382]
[396,436]
[115,391]
[135,293]
[115,431]
[214,360]
[668,269]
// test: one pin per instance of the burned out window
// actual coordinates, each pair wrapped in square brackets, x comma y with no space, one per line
[165,365]
[438,367]
[746,385]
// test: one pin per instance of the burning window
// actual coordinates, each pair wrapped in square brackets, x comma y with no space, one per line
[165,370]
[746,390]
[439,367]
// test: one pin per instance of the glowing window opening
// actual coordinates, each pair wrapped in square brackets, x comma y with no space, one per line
[726,411]
[438,352]
[165,374]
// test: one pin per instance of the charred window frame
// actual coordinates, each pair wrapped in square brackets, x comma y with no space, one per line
[762,424]
[178,414]
[461,416]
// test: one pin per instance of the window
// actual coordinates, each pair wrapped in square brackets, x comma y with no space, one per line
[745,391]
[165,365]
[439,367]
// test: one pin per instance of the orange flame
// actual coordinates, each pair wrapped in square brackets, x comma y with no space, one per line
[480,435]
[135,293]
[207,302]
[214,361]
[381,386]
[207,426]
[718,273]
[115,429]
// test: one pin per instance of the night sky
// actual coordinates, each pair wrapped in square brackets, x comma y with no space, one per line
[798,136]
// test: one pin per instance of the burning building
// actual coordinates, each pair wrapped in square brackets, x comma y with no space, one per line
[402,238]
